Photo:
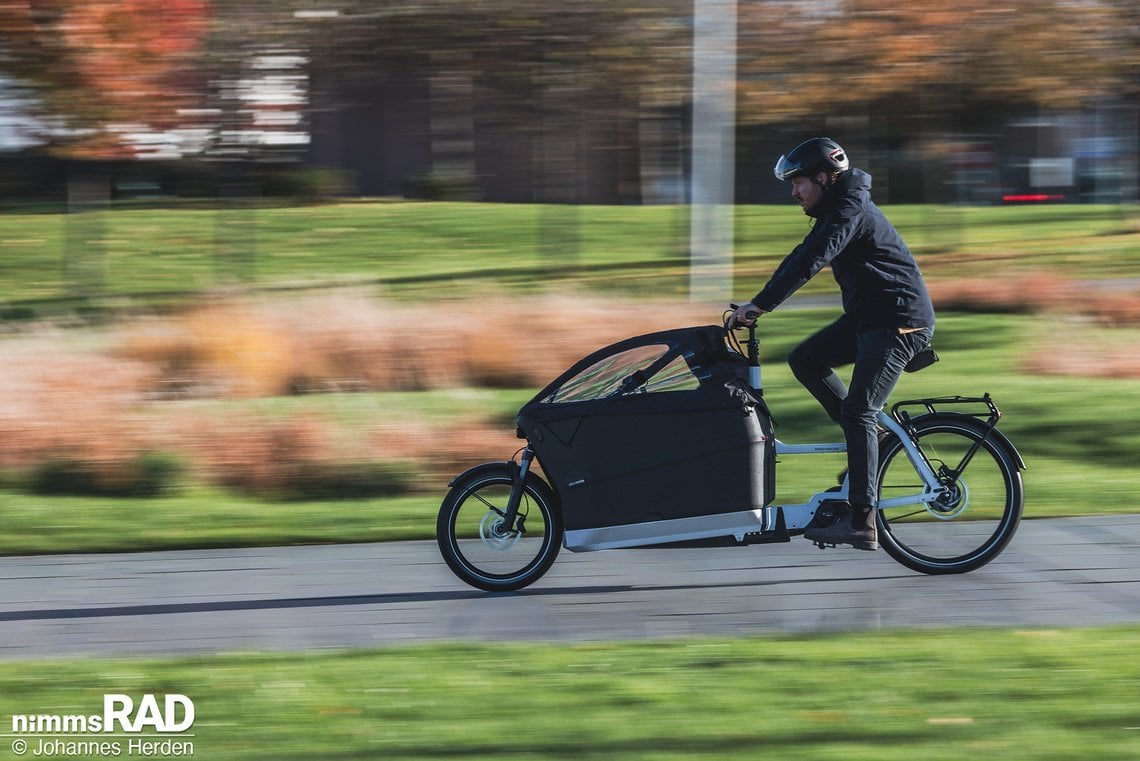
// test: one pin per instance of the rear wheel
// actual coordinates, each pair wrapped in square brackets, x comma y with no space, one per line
[973,521]
[473,539]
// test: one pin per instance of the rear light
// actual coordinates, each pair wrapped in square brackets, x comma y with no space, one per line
[1032,197]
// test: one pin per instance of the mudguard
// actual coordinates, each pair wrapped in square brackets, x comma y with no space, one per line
[507,465]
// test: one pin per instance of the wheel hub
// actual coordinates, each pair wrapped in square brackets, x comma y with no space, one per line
[493,534]
[951,503]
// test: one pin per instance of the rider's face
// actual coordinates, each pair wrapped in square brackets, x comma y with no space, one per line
[807,192]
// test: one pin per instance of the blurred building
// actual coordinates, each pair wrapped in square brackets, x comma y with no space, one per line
[419,132]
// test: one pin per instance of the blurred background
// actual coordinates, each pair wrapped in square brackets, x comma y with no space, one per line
[252,205]
[233,105]
[575,102]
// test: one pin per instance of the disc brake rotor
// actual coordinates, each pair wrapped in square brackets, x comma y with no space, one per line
[492,534]
[951,504]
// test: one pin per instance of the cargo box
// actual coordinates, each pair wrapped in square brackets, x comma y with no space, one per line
[654,428]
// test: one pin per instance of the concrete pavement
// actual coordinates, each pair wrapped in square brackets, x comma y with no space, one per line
[1060,572]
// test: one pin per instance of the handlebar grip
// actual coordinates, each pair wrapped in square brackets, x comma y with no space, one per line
[750,315]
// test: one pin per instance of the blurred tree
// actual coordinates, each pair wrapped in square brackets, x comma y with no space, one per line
[1124,43]
[98,68]
[809,58]
[93,63]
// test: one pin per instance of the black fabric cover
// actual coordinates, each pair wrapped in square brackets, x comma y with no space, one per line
[638,457]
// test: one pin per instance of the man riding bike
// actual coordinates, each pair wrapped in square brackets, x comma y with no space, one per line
[887,315]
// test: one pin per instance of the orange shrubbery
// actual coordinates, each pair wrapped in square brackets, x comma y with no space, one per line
[1039,293]
[351,343]
[56,400]
[1079,350]
[95,408]
[1082,351]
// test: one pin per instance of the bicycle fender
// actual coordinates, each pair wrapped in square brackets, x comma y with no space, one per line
[489,467]
[1004,441]
[993,433]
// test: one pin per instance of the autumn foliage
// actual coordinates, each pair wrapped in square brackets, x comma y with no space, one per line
[95,64]
[99,62]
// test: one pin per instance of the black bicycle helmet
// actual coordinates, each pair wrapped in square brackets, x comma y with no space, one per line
[820,154]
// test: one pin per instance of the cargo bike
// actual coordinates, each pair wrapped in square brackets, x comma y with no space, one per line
[665,439]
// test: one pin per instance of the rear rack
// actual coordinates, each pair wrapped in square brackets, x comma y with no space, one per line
[989,418]
[991,415]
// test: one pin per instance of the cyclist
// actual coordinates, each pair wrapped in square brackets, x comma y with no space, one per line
[887,315]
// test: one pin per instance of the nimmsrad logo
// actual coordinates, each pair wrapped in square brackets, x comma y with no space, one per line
[155,727]
[120,714]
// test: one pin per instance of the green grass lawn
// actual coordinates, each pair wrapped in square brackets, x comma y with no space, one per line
[416,249]
[936,694]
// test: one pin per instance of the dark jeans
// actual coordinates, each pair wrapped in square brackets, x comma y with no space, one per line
[879,355]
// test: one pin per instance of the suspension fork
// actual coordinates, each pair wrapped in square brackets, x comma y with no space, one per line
[518,484]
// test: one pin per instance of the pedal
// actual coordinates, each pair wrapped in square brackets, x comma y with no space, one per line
[824,545]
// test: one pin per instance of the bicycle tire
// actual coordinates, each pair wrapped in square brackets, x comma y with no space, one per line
[974,522]
[483,558]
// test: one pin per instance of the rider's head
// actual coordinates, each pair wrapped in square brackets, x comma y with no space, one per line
[811,167]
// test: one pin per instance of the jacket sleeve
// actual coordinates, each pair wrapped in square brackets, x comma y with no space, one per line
[821,245]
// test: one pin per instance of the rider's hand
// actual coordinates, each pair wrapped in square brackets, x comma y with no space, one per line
[745,315]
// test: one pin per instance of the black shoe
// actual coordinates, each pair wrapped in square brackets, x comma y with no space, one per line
[844,531]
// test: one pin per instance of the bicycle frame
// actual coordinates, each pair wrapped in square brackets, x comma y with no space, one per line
[799,516]
[773,523]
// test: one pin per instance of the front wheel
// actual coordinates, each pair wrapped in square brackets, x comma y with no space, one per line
[973,521]
[472,538]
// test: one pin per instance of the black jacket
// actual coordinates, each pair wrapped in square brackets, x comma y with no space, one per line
[880,281]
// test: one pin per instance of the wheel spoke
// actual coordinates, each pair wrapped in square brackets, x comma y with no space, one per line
[488,504]
[904,516]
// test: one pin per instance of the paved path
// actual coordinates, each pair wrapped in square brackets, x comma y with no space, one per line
[1055,573]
